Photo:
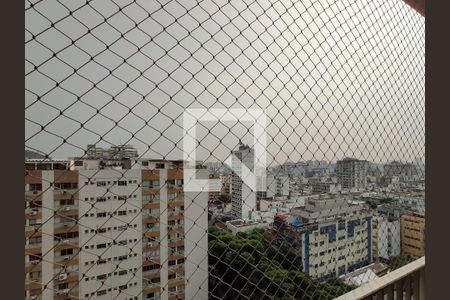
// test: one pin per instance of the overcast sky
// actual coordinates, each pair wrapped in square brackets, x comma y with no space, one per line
[335,78]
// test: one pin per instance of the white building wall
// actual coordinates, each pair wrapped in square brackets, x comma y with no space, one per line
[118,228]
[243,198]
[388,238]
[48,254]
[196,242]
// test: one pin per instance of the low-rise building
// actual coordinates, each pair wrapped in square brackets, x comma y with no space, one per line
[236,226]
[331,234]
[413,233]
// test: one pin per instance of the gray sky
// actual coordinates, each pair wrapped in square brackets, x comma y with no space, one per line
[336,78]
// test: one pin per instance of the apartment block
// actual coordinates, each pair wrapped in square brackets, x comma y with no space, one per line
[413,233]
[277,185]
[100,230]
[386,238]
[331,234]
[352,173]
[243,200]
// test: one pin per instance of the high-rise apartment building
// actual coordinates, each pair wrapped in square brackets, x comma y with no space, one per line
[243,200]
[101,230]
[352,173]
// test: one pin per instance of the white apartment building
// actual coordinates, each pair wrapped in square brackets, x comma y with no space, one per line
[331,234]
[103,230]
[277,185]
[386,238]
[243,200]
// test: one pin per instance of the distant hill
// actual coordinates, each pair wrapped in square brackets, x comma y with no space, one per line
[32,154]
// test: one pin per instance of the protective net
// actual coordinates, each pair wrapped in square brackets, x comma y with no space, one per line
[222,149]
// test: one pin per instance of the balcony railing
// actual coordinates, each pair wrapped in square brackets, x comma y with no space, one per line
[405,283]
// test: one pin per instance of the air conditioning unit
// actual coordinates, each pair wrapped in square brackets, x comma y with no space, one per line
[66,241]
[150,244]
[67,208]
[66,225]
[62,277]
[33,297]
[35,192]
[33,213]
[64,192]
[34,262]
[66,258]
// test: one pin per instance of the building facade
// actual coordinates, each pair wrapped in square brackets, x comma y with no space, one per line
[386,238]
[413,234]
[352,173]
[332,236]
[277,185]
[243,199]
[108,233]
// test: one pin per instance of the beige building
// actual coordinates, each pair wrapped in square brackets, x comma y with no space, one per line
[413,233]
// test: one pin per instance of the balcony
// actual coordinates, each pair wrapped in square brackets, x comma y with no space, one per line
[405,283]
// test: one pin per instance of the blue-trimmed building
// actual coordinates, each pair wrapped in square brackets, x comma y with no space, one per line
[332,235]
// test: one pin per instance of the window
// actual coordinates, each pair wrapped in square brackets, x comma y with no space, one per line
[66,185]
[101,246]
[78,163]
[101,183]
[123,272]
[63,286]
[101,215]
[122,213]
[101,199]
[102,292]
[65,252]
[122,198]
[122,182]
[35,240]
[35,187]
[160,166]
[35,257]
[66,202]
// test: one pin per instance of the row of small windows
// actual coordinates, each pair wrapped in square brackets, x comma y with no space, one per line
[104,245]
[413,229]
[412,238]
[118,213]
[115,258]
[118,228]
[118,182]
[105,291]
[413,246]
[104,198]
[117,273]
